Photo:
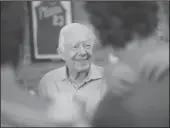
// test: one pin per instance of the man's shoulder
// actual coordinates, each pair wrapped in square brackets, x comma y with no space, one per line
[56,74]
[97,70]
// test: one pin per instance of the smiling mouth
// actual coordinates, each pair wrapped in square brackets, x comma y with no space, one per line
[81,59]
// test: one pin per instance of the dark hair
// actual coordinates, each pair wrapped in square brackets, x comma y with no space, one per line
[117,21]
[12,29]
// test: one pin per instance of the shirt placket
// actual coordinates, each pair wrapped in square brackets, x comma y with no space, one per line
[77,88]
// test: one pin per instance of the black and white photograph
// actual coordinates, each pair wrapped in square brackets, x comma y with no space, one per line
[84,63]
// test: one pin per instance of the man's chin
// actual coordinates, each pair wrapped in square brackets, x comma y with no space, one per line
[82,65]
[83,68]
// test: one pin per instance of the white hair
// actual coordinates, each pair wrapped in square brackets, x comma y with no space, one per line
[61,41]
[70,27]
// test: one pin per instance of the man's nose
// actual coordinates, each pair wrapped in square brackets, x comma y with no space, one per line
[82,51]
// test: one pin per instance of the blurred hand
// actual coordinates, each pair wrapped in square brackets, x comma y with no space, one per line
[67,109]
[21,115]
[81,104]
[120,77]
[155,65]
[83,119]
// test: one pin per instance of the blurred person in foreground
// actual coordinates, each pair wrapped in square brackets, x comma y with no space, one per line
[79,77]
[126,29]
[19,108]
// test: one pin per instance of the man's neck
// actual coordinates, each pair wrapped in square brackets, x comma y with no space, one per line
[77,77]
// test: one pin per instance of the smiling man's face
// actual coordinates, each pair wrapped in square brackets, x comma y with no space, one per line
[78,49]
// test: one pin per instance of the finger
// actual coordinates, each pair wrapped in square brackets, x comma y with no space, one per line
[147,70]
[125,73]
[146,63]
[161,73]
[123,89]
[143,68]
[151,73]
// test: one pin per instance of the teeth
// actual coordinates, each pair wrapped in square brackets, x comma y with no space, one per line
[81,59]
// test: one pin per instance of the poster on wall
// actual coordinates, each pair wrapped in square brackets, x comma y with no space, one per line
[47,19]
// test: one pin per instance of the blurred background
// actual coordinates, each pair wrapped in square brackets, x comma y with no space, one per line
[33,68]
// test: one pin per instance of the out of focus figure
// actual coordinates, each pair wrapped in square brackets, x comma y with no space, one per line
[155,65]
[79,77]
[127,29]
[18,108]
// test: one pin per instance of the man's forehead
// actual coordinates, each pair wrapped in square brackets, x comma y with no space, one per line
[76,32]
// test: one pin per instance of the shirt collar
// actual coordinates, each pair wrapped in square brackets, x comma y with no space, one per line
[94,73]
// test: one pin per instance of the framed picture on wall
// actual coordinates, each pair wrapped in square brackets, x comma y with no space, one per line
[46,20]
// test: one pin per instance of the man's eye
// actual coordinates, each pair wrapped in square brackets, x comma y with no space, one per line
[75,47]
[88,46]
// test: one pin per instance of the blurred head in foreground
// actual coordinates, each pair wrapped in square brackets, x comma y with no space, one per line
[126,30]
[119,25]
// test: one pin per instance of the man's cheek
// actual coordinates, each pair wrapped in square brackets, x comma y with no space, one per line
[89,53]
[72,55]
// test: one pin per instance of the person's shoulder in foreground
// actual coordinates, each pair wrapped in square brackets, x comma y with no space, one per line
[133,99]
[147,102]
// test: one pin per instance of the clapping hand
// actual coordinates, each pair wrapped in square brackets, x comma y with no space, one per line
[23,116]
[155,65]
[120,77]
[68,110]
[81,104]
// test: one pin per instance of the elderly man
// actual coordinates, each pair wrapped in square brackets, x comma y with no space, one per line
[79,77]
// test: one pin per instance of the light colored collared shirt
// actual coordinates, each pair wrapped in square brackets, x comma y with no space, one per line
[91,90]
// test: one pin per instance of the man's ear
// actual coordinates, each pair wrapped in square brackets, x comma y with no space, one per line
[60,52]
